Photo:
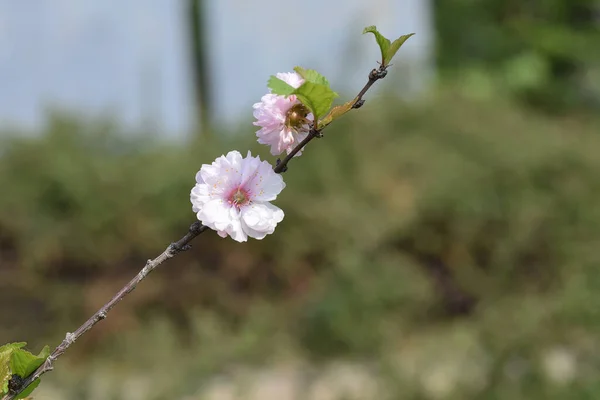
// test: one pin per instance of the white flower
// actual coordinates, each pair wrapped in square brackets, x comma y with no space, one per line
[284,121]
[232,196]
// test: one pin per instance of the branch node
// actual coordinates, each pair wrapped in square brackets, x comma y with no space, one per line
[69,338]
[381,73]
[101,315]
[316,133]
[175,248]
[197,228]
[358,104]
[373,75]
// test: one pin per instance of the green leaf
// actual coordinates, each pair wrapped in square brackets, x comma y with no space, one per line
[382,41]
[314,93]
[395,46]
[279,87]
[29,389]
[23,363]
[5,370]
[336,112]
[318,98]
[388,49]
[310,75]
[15,360]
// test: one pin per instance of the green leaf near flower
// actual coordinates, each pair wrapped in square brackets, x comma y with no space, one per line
[314,93]
[279,87]
[310,75]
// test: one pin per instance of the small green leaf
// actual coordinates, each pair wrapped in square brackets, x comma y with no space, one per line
[388,49]
[279,87]
[336,112]
[395,46]
[318,98]
[310,75]
[382,41]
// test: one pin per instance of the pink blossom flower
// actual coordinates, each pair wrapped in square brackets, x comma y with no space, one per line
[233,194]
[284,121]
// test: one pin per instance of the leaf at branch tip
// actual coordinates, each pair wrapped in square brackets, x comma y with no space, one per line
[388,49]
[395,46]
[279,87]
[336,112]
[382,41]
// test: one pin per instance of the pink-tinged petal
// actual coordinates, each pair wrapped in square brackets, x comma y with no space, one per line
[250,169]
[197,198]
[235,159]
[300,136]
[291,78]
[215,214]
[237,232]
[199,178]
[262,217]
[252,233]
[265,185]
[223,172]
[231,196]
[271,113]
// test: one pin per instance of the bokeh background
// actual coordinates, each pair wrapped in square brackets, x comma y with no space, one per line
[442,242]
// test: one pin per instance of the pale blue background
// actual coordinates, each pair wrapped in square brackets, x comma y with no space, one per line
[128,59]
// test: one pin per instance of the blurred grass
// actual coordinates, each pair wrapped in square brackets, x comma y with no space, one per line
[450,247]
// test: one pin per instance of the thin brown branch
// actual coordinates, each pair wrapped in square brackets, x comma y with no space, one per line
[181,245]
[282,165]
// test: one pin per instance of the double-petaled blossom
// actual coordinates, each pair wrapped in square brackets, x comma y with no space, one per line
[283,121]
[233,194]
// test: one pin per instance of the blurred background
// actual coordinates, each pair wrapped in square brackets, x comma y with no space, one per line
[440,243]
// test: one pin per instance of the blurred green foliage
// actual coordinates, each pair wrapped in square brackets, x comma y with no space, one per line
[542,52]
[455,234]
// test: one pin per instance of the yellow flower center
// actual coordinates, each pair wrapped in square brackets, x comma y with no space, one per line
[296,117]
[239,197]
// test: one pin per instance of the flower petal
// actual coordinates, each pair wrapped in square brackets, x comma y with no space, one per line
[254,216]
[261,219]
[215,215]
[265,184]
